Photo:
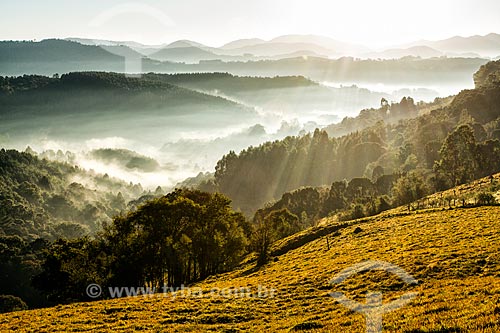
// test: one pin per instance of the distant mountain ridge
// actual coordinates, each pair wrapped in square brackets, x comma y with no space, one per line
[488,45]
[98,54]
[458,46]
[415,51]
[56,49]
[188,54]
[242,43]
[288,57]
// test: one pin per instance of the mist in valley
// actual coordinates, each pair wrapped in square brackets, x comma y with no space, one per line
[189,137]
[251,151]
[186,113]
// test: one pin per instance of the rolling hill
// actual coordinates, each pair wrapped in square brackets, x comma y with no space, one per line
[242,43]
[374,138]
[188,54]
[104,42]
[415,51]
[270,49]
[109,91]
[290,94]
[185,43]
[83,104]
[452,253]
[60,50]
[458,46]
[488,45]
[287,44]
[59,56]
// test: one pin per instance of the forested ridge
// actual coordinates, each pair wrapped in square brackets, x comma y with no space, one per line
[42,201]
[427,145]
[91,91]
[46,199]
[231,83]
[161,82]
[55,50]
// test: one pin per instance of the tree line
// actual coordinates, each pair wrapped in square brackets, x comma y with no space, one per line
[449,145]
[176,239]
[39,203]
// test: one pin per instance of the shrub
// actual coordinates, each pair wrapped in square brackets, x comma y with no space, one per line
[356,212]
[9,303]
[484,199]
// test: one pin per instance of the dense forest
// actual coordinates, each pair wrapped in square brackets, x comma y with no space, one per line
[46,199]
[173,240]
[109,91]
[86,105]
[389,113]
[62,228]
[59,56]
[229,83]
[429,144]
[42,201]
[59,50]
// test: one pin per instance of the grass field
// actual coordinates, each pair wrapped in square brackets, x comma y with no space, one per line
[453,253]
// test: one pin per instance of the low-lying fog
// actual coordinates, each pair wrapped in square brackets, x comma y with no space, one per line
[426,93]
[166,150]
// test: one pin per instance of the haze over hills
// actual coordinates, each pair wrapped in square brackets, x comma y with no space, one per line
[242,43]
[185,43]
[187,54]
[104,42]
[488,45]
[414,51]
[323,41]
[480,46]
[276,48]
[60,50]
[115,99]
[191,119]
[54,55]
[58,56]
[369,142]
[285,55]
[288,55]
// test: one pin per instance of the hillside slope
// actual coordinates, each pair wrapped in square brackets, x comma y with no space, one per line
[86,105]
[454,255]
[293,95]
[108,91]
[392,134]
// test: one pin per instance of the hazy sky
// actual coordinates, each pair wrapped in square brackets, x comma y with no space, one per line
[374,23]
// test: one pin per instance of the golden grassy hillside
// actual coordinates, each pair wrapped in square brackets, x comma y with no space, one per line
[454,254]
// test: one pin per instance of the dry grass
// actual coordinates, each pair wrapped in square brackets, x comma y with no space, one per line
[453,253]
